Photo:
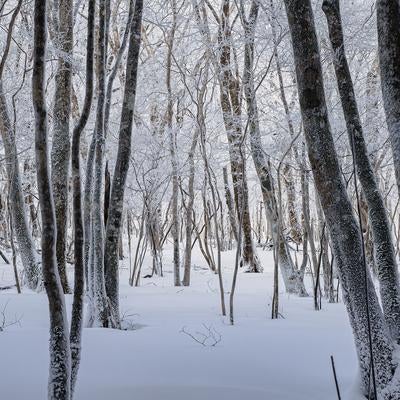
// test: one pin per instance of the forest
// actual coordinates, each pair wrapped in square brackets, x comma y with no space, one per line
[199,199]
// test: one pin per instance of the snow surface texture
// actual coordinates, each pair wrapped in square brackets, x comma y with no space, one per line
[257,359]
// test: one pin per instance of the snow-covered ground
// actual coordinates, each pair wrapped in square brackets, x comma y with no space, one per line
[256,359]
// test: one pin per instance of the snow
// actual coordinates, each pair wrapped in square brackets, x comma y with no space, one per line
[257,358]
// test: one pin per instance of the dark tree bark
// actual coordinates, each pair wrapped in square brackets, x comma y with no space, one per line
[384,250]
[60,152]
[59,387]
[107,188]
[122,163]
[388,23]
[231,110]
[77,306]
[344,231]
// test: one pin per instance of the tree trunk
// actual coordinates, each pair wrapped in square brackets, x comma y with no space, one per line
[230,206]
[384,250]
[231,110]
[60,152]
[292,280]
[18,214]
[77,306]
[59,387]
[100,314]
[189,211]
[25,242]
[358,291]
[173,151]
[388,23]
[122,165]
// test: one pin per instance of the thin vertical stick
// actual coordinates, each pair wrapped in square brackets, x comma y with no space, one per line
[336,380]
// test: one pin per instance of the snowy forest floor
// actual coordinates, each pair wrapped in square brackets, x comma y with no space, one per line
[256,359]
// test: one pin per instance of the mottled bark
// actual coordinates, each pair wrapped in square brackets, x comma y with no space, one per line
[231,110]
[26,245]
[99,310]
[77,306]
[344,231]
[122,164]
[107,188]
[388,24]
[288,179]
[292,280]
[384,250]
[154,234]
[324,251]
[230,205]
[59,387]
[60,151]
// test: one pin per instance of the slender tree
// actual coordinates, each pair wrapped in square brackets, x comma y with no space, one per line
[100,314]
[25,243]
[292,279]
[77,306]
[231,110]
[173,147]
[60,356]
[114,220]
[60,151]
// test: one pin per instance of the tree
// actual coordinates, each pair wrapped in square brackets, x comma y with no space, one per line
[79,279]
[173,148]
[385,258]
[100,313]
[61,148]
[114,220]
[388,23]
[59,387]
[373,342]
[292,279]
[231,110]
[26,246]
